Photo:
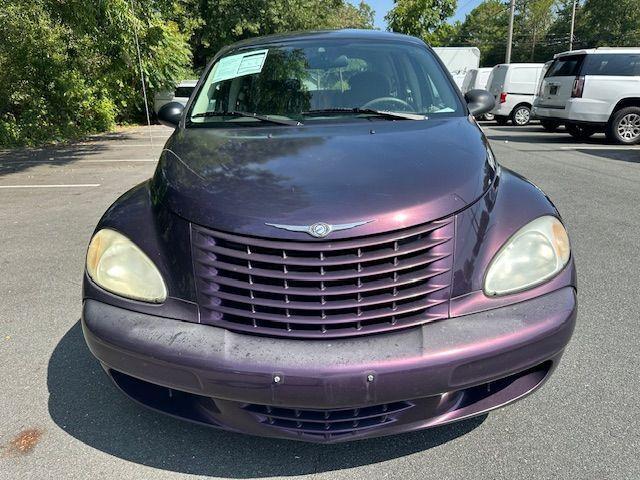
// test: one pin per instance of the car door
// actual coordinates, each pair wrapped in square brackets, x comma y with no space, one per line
[558,82]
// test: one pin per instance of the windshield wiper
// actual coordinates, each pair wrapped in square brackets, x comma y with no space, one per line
[257,116]
[370,111]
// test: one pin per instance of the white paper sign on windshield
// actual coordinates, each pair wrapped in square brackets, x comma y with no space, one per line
[238,65]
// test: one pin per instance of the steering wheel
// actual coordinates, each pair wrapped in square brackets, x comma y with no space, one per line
[382,100]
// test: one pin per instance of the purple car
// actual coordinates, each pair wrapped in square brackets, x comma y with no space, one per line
[328,251]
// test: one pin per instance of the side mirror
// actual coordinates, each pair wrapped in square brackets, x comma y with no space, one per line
[170,114]
[479,102]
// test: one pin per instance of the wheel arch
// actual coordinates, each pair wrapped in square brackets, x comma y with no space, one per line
[526,104]
[624,103]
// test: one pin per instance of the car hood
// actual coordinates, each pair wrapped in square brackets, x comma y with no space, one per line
[391,174]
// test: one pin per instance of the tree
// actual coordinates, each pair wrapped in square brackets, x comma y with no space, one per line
[70,68]
[607,23]
[447,34]
[227,21]
[486,27]
[533,19]
[420,18]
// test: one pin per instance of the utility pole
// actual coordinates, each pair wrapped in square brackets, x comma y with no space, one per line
[573,24]
[512,13]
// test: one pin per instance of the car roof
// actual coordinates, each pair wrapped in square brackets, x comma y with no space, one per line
[519,65]
[354,34]
[591,51]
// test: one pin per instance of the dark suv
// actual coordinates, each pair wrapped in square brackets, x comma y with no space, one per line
[328,251]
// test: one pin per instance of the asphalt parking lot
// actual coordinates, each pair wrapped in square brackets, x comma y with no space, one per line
[61,418]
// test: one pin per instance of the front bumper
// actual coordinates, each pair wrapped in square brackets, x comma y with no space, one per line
[330,391]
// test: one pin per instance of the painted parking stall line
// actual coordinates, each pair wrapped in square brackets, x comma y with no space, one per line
[601,147]
[70,185]
[67,161]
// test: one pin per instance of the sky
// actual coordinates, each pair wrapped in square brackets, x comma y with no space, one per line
[381,8]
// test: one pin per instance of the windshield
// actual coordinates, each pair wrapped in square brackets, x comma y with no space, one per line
[307,81]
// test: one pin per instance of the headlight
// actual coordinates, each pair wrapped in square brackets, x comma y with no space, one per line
[537,252]
[116,264]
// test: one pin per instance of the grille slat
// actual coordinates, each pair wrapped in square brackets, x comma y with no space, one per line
[324,246]
[391,253]
[322,304]
[324,274]
[322,317]
[328,422]
[324,289]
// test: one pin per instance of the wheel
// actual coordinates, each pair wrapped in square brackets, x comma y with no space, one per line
[581,132]
[624,126]
[521,115]
[488,117]
[550,125]
[501,120]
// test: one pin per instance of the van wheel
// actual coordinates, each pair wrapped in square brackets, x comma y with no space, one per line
[521,116]
[489,117]
[624,126]
[501,120]
[550,125]
[581,132]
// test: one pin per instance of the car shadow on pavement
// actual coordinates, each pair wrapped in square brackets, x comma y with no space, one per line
[91,147]
[84,403]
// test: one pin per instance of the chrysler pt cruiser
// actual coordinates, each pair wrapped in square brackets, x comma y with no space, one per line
[328,251]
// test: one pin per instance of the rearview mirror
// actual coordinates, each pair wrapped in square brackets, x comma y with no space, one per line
[170,114]
[479,102]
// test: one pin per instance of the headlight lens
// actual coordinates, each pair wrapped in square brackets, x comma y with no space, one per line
[116,264]
[537,252]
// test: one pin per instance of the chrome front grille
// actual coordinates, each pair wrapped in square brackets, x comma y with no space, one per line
[324,289]
[329,423]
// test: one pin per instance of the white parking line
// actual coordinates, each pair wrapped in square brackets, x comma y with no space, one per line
[600,147]
[77,185]
[122,145]
[53,161]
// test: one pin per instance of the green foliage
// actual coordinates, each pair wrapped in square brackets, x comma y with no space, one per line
[445,35]
[486,27]
[70,67]
[227,21]
[607,23]
[542,27]
[419,18]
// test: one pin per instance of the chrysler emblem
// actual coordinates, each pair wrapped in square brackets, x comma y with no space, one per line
[318,229]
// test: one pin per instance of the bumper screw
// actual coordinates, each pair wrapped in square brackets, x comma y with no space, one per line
[370,378]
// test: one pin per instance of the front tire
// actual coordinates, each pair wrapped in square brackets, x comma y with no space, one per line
[489,117]
[550,125]
[624,126]
[581,132]
[521,116]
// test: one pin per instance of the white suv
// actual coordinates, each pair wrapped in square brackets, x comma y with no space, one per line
[592,91]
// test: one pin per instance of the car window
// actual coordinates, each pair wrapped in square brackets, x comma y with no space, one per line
[295,78]
[568,66]
[183,92]
[614,64]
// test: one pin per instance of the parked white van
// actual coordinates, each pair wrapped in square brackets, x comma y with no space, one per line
[594,90]
[476,78]
[514,85]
